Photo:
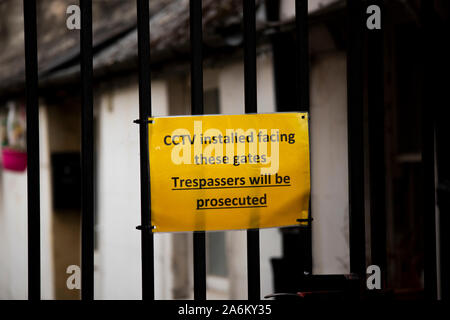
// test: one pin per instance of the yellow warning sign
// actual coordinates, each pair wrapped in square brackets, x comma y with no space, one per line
[226,172]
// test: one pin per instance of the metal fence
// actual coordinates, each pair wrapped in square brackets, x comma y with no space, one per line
[355,88]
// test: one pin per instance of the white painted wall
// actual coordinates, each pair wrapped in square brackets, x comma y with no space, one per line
[13,218]
[47,271]
[13,226]
[118,274]
[329,164]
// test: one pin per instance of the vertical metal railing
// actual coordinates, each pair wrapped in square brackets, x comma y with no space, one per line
[196,37]
[302,45]
[355,141]
[87,153]
[377,167]
[253,263]
[33,181]
[145,111]
[303,99]
[428,150]
[355,116]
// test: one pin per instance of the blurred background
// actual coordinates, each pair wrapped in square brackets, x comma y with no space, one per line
[412,63]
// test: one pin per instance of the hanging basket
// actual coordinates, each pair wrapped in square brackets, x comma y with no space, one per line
[14,160]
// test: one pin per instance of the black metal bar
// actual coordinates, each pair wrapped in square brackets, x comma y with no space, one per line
[303,99]
[253,263]
[377,167]
[145,111]
[199,265]
[302,44]
[443,170]
[33,190]
[428,150]
[442,114]
[196,36]
[87,153]
[250,57]
[355,136]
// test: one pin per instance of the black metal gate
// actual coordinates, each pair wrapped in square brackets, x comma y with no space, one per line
[356,22]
